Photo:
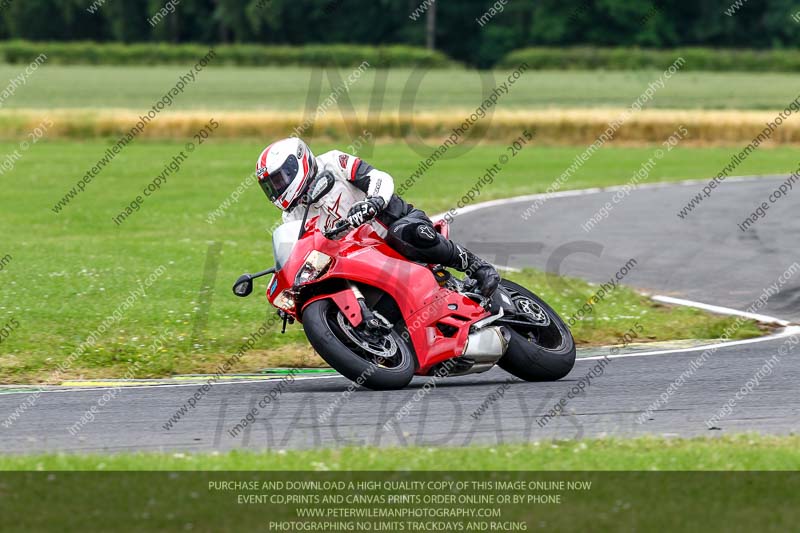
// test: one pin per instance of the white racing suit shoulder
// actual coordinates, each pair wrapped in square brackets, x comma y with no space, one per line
[343,166]
[353,184]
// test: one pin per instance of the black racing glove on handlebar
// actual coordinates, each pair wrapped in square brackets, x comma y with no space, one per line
[365,210]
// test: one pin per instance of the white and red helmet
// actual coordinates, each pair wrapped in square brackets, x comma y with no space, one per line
[284,170]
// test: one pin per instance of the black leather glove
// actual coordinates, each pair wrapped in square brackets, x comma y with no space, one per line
[365,210]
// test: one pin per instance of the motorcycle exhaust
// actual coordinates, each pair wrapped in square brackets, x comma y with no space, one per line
[485,345]
[484,348]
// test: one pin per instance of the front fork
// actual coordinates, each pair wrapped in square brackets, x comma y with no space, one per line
[374,322]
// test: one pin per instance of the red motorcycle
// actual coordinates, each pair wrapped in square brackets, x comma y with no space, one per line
[379,318]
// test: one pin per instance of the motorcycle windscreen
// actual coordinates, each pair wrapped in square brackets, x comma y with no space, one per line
[283,240]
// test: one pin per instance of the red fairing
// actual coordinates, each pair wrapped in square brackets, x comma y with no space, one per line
[363,257]
[347,303]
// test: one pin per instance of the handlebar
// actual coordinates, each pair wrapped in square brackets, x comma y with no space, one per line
[337,229]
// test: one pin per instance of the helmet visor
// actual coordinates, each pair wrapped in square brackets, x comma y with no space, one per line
[275,184]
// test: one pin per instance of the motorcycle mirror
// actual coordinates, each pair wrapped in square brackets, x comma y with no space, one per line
[321,186]
[243,286]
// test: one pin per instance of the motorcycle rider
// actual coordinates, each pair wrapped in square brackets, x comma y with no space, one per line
[361,194]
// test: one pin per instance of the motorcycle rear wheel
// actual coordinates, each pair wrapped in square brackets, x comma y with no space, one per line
[386,363]
[535,353]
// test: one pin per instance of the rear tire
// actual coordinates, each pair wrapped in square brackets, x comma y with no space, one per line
[544,354]
[323,328]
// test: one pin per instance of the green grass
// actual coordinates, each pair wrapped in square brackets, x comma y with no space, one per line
[70,271]
[287,89]
[740,452]
[744,483]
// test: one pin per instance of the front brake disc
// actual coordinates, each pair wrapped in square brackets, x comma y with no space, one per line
[386,347]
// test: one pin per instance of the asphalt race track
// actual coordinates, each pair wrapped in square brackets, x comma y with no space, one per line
[704,257]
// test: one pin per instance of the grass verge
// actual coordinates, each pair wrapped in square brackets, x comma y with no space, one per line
[740,452]
[622,312]
[69,271]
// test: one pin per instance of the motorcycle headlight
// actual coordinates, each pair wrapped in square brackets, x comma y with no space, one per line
[316,264]
[285,300]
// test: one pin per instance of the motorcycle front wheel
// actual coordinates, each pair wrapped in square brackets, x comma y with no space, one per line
[378,362]
[541,346]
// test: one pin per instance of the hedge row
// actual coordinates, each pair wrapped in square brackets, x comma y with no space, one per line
[580,58]
[88,53]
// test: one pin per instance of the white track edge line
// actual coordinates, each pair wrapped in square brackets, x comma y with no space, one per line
[721,310]
[787,332]
[583,192]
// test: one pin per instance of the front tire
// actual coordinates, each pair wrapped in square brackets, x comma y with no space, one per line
[386,364]
[536,353]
